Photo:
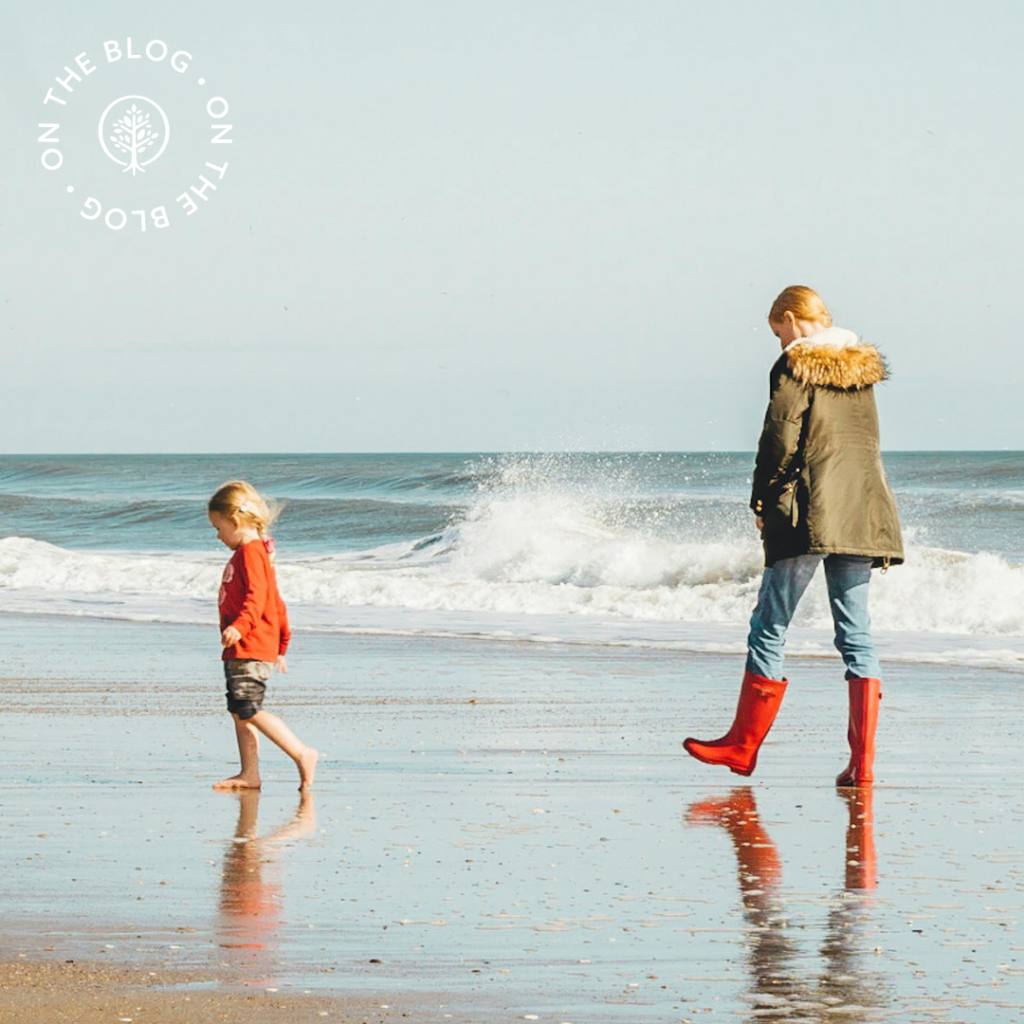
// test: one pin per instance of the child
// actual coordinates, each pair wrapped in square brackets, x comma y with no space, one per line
[820,497]
[254,632]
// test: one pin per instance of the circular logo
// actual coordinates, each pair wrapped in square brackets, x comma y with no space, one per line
[131,131]
[135,180]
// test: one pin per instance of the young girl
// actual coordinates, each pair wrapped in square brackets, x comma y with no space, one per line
[820,497]
[254,632]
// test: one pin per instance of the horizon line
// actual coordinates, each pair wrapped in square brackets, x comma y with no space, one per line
[478,451]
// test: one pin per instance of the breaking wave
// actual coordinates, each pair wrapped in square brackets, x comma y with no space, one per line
[538,557]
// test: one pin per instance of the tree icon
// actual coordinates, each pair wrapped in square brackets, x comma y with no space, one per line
[127,127]
[133,135]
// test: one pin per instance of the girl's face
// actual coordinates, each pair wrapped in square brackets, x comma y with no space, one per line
[229,532]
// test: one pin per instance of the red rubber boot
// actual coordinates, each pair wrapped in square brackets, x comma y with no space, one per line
[865,695]
[758,705]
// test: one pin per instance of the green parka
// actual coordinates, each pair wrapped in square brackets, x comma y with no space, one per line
[819,484]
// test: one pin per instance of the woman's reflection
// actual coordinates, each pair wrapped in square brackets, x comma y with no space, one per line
[784,980]
[851,929]
[772,954]
[250,901]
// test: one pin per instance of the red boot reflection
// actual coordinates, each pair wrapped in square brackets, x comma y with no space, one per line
[759,863]
[783,980]
[861,859]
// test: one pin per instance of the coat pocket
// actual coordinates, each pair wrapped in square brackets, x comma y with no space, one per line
[787,507]
[785,526]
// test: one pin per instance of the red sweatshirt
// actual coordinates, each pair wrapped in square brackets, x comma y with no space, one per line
[249,601]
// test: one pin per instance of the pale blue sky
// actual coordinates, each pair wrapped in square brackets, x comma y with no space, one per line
[517,225]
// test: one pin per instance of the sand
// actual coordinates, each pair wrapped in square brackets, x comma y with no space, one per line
[91,993]
[499,831]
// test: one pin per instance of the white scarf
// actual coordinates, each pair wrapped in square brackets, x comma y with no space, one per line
[833,337]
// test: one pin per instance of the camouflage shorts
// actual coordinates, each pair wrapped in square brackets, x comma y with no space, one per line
[246,683]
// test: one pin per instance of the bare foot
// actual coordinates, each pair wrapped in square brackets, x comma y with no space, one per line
[307,767]
[239,782]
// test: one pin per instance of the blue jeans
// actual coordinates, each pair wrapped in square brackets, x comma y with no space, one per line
[782,587]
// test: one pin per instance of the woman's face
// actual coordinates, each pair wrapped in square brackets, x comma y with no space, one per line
[788,329]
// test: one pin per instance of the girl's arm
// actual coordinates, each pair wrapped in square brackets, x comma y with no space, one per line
[282,618]
[286,633]
[256,580]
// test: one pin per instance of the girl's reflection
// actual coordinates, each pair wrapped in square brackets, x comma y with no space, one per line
[783,978]
[250,902]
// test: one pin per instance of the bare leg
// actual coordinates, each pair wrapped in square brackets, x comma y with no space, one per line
[249,754]
[277,732]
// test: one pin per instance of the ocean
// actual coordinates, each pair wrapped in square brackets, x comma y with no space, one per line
[645,549]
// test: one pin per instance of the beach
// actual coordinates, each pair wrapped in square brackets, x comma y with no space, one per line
[432,347]
[498,657]
[500,830]
[574,394]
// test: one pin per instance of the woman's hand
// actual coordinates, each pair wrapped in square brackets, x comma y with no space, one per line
[230,637]
[759,523]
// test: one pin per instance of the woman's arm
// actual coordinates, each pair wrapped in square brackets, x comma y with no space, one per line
[779,444]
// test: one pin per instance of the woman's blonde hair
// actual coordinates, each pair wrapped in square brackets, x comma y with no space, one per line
[241,500]
[804,303]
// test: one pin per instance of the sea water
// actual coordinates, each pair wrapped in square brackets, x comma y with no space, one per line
[624,548]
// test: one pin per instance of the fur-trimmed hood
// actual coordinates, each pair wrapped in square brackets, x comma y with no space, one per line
[835,358]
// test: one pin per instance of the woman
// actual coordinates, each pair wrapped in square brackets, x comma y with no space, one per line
[820,495]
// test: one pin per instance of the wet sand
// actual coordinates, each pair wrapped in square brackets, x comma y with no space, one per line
[499,831]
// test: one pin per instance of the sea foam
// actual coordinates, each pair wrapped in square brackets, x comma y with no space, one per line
[532,558]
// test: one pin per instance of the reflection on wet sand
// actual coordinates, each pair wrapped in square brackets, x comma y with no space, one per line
[788,984]
[250,901]
[851,935]
[861,859]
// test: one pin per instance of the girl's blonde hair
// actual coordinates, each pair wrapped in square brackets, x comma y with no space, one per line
[242,500]
[804,303]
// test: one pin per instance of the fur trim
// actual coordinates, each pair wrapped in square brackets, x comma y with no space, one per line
[850,368]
